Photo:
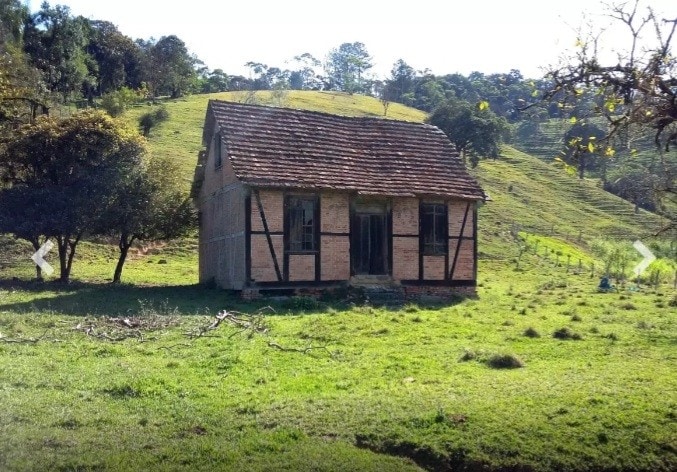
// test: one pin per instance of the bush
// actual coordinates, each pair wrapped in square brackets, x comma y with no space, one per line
[115,103]
[149,120]
[505,361]
[468,355]
[531,333]
[566,333]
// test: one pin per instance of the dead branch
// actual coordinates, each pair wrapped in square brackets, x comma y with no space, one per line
[245,323]
[304,350]
[23,340]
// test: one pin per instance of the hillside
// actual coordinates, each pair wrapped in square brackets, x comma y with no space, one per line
[180,137]
[526,193]
[524,190]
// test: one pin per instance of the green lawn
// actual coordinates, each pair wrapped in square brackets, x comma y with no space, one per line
[354,387]
[379,390]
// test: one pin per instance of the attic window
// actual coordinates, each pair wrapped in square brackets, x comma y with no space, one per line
[218,157]
[301,224]
[434,229]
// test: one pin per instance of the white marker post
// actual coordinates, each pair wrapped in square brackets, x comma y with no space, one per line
[644,263]
[39,257]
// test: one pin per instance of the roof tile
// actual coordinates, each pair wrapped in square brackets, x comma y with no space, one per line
[287,148]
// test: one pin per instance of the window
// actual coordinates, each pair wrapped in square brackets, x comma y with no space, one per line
[434,228]
[302,231]
[217,151]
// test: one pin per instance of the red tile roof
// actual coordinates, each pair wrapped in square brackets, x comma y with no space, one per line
[287,148]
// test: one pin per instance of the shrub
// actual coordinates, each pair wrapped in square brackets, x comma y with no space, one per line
[566,333]
[115,103]
[149,120]
[505,361]
[531,333]
[468,355]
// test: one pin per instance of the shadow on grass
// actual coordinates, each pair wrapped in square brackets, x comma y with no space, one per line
[105,299]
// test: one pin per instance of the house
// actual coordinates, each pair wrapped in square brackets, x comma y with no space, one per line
[293,199]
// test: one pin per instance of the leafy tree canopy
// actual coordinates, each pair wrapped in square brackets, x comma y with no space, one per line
[67,171]
[473,128]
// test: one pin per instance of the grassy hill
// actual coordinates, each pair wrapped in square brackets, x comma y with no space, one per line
[524,189]
[526,193]
[541,372]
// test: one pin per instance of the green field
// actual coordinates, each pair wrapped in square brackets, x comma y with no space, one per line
[100,377]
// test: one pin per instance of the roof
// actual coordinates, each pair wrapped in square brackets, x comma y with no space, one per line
[298,149]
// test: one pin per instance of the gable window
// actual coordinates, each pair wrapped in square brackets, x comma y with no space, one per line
[301,218]
[218,157]
[434,228]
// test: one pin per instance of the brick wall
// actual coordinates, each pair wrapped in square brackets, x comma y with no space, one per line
[335,212]
[301,267]
[263,269]
[405,216]
[456,213]
[335,258]
[465,265]
[273,207]
[433,267]
[405,258]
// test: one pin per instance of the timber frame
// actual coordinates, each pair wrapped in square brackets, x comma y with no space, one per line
[285,206]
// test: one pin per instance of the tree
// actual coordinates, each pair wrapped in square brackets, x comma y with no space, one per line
[401,82]
[118,58]
[305,76]
[55,42]
[67,171]
[150,206]
[13,15]
[170,69]
[582,144]
[474,129]
[346,67]
[638,90]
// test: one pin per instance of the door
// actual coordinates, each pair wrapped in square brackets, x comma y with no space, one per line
[370,246]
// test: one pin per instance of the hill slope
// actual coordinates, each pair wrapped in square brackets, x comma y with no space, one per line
[524,189]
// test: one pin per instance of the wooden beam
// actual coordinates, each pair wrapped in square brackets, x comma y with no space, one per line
[268,237]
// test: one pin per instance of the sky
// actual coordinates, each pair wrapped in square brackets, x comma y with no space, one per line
[489,36]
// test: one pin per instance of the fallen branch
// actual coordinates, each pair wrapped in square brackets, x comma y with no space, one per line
[251,323]
[24,340]
[304,350]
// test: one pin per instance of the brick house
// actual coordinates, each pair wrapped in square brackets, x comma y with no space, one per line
[293,199]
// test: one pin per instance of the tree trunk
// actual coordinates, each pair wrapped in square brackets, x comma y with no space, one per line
[124,246]
[62,245]
[581,166]
[66,255]
[38,271]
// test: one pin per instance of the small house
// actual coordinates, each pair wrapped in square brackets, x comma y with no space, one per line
[293,199]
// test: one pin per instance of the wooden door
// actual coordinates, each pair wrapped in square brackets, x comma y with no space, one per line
[370,244]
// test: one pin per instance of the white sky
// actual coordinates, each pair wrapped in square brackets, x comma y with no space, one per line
[444,36]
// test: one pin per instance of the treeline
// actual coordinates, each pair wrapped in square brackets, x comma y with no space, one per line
[51,57]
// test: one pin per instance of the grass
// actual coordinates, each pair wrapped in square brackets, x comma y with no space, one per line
[180,137]
[353,387]
[382,390]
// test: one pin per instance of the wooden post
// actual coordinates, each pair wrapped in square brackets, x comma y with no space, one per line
[568,260]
